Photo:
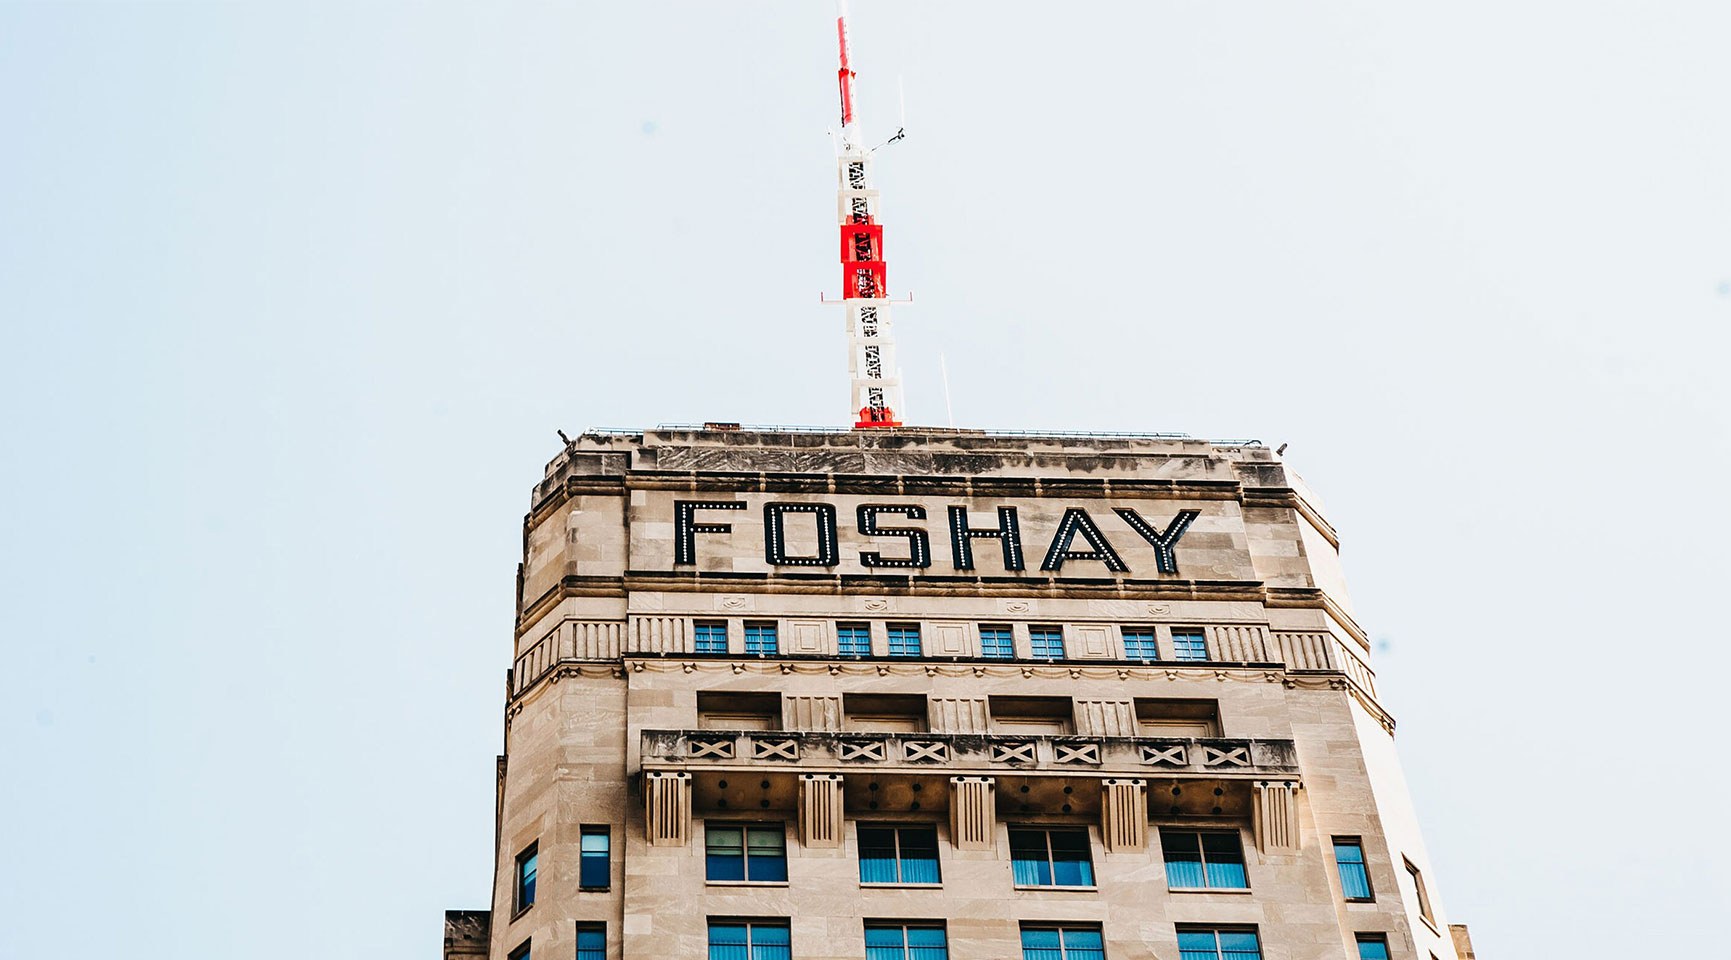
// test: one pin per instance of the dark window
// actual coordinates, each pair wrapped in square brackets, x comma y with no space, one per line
[711,637]
[1139,644]
[526,870]
[1031,716]
[727,710]
[913,941]
[521,953]
[1204,859]
[996,643]
[746,852]
[898,854]
[1050,858]
[594,868]
[1047,642]
[1176,717]
[884,712]
[1372,946]
[1354,877]
[760,638]
[591,941]
[904,639]
[1189,643]
[1423,897]
[1218,944]
[1062,943]
[749,940]
[854,640]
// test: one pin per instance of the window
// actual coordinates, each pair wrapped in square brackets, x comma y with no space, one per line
[710,637]
[1139,645]
[1047,642]
[760,638]
[1050,858]
[1188,643]
[521,953]
[594,870]
[1423,897]
[904,639]
[749,940]
[726,710]
[854,640]
[1354,877]
[1204,859]
[898,854]
[1372,946]
[1062,943]
[884,712]
[914,941]
[1030,716]
[591,941]
[1177,717]
[1218,945]
[996,643]
[526,869]
[746,852]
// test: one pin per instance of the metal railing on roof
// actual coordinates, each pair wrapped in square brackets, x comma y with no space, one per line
[935,431]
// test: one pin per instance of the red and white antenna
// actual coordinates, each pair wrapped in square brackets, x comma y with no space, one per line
[877,385]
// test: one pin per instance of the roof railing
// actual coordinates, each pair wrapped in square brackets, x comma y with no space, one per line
[937,431]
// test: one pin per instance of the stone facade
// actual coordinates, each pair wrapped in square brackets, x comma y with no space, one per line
[1131,640]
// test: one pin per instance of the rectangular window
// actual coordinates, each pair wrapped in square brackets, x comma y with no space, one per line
[760,639]
[898,854]
[749,940]
[1031,716]
[1423,897]
[1062,943]
[1047,642]
[1188,643]
[913,941]
[526,869]
[710,637]
[904,639]
[591,941]
[1177,717]
[1204,860]
[746,852]
[1050,858]
[1354,877]
[1139,645]
[726,710]
[1372,946]
[854,640]
[884,712]
[1214,944]
[594,869]
[996,643]
[521,953]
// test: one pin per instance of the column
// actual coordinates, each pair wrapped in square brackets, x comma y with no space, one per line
[820,810]
[667,809]
[1275,816]
[1124,815]
[973,813]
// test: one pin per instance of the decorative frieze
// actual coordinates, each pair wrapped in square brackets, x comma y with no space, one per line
[811,713]
[1247,643]
[959,714]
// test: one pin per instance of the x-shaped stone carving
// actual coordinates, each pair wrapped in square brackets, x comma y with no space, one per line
[775,749]
[1077,752]
[925,751]
[1165,756]
[1019,752]
[721,749]
[862,750]
[1233,757]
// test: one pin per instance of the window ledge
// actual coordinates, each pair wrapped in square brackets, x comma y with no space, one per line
[520,912]
[745,883]
[895,886]
[1235,890]
[594,889]
[1431,924]
[1079,888]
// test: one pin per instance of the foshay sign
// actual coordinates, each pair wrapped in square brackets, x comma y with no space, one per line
[899,535]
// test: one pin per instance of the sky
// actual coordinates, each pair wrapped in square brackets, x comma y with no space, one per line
[294,296]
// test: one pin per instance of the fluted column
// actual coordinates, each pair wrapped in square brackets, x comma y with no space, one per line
[1124,814]
[1275,816]
[973,813]
[820,809]
[667,809]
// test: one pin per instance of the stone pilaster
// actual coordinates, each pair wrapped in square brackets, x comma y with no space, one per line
[1275,816]
[1124,814]
[667,809]
[820,810]
[973,813]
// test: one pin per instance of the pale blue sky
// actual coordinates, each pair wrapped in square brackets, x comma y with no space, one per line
[294,296]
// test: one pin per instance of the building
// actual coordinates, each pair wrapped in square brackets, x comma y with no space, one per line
[922,694]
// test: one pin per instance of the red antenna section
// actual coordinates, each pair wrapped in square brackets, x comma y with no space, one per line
[877,385]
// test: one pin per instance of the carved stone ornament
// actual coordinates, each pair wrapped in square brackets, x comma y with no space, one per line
[734,603]
[876,603]
[1017,606]
[1159,609]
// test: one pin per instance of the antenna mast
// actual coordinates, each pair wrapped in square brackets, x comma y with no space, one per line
[877,385]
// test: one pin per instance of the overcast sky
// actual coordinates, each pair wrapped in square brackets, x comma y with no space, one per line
[295,295]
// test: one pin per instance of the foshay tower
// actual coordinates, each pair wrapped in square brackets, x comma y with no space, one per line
[897,693]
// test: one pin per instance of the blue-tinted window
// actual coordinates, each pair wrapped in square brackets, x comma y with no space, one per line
[1189,644]
[1354,878]
[521,953]
[904,640]
[886,941]
[594,867]
[1050,858]
[898,854]
[1218,945]
[1139,645]
[1372,947]
[996,643]
[591,942]
[854,640]
[1062,943]
[527,867]
[1047,642]
[736,851]
[749,940]
[711,637]
[1204,859]
[760,638]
